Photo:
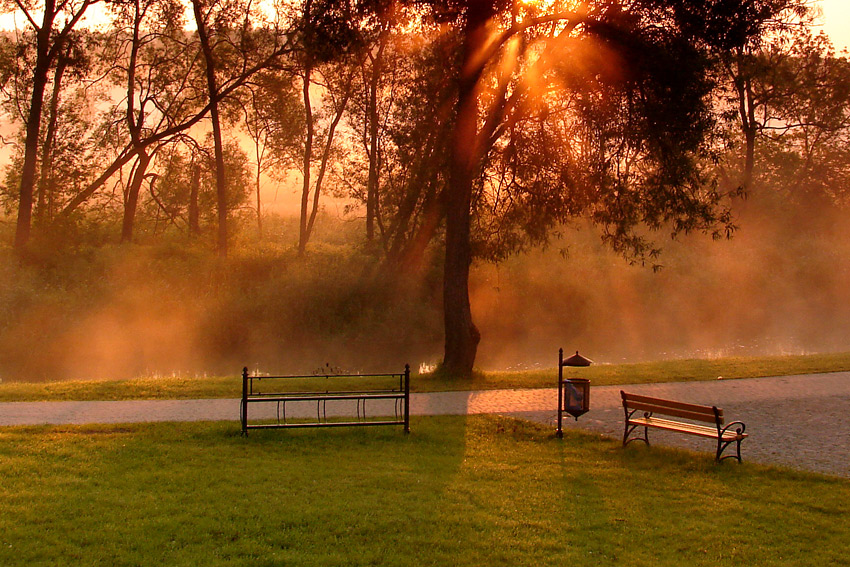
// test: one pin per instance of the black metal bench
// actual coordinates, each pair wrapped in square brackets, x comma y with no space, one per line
[321,389]
[650,407]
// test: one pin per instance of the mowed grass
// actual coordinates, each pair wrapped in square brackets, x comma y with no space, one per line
[676,370]
[481,490]
[187,387]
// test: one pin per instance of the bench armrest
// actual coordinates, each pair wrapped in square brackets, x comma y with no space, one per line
[738,426]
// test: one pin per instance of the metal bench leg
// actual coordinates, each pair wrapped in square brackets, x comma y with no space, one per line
[721,447]
[629,430]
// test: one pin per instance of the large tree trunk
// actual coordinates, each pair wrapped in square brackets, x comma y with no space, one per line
[462,336]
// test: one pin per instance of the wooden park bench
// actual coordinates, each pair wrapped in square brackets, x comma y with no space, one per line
[348,390]
[642,411]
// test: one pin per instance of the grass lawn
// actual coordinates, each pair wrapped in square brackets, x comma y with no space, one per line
[183,387]
[456,491]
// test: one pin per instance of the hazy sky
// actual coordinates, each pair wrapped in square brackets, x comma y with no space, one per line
[836,21]
[836,16]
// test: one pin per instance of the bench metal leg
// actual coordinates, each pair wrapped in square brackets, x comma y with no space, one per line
[739,428]
[628,430]
[721,446]
[627,438]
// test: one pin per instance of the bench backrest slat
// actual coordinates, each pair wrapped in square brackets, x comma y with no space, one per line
[673,408]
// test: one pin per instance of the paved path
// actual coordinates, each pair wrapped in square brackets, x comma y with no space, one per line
[799,421]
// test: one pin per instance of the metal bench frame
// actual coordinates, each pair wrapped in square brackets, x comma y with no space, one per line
[398,391]
[724,434]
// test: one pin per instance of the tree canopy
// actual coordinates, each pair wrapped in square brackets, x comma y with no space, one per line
[474,128]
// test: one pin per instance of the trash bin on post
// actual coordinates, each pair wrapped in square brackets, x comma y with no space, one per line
[573,393]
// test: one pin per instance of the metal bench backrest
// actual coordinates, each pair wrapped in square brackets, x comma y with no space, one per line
[693,412]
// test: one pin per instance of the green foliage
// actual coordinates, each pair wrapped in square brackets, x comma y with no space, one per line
[460,491]
[804,151]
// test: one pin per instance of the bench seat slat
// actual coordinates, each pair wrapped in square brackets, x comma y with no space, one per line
[691,428]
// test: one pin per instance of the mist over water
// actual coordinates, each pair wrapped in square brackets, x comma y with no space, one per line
[780,286]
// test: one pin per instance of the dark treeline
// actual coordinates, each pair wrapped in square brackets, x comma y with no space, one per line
[455,130]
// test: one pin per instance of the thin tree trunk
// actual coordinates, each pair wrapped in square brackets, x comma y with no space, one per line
[259,202]
[401,244]
[46,185]
[374,153]
[747,115]
[194,209]
[134,126]
[411,259]
[220,182]
[303,234]
[750,138]
[132,201]
[23,228]
[326,156]
[220,179]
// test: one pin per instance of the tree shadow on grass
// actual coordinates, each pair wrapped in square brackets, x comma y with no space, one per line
[191,493]
[457,490]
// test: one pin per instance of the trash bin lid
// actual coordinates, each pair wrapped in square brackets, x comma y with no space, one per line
[577,360]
